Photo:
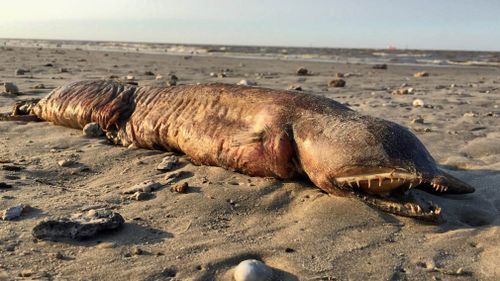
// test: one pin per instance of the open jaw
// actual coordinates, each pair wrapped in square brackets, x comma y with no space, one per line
[389,191]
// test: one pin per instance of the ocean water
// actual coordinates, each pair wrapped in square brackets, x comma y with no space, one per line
[339,55]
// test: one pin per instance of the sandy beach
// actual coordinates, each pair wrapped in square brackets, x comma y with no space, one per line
[226,217]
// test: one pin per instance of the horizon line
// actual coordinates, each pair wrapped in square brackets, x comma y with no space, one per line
[253,45]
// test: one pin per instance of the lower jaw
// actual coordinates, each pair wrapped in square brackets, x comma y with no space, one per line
[402,208]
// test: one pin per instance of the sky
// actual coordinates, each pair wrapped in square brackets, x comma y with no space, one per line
[422,24]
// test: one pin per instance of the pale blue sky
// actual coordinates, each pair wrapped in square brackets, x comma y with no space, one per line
[420,24]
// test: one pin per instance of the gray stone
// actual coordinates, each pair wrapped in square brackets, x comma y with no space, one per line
[20,71]
[14,212]
[145,186]
[4,185]
[302,71]
[379,66]
[11,88]
[337,83]
[168,163]
[79,226]
[92,130]
[141,196]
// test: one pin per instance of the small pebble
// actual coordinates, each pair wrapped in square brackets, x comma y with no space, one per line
[252,270]
[168,163]
[302,71]
[11,88]
[58,255]
[20,71]
[245,82]
[140,196]
[137,251]
[106,245]
[65,163]
[145,186]
[26,273]
[418,103]
[4,185]
[180,187]
[92,130]
[337,83]
[294,88]
[421,74]
[14,212]
[403,91]
[418,120]
[379,66]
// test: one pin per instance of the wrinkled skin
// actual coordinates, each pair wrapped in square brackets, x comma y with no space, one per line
[261,132]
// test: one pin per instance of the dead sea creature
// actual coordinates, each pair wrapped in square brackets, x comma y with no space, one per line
[261,132]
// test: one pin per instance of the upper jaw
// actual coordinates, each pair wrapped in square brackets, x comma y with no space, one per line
[386,180]
[377,187]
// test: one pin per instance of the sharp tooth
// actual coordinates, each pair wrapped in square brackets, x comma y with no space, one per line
[392,179]
[369,183]
[380,180]
[445,188]
[411,184]
[419,210]
[357,182]
[349,183]
[420,181]
[412,208]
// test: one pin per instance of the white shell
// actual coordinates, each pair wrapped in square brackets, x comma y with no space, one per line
[252,270]
[245,82]
[418,103]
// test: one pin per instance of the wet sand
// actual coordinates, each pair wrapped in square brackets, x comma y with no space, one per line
[226,217]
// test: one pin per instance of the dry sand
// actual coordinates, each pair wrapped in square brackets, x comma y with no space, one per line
[226,217]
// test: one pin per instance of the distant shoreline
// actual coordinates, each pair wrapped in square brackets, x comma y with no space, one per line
[314,54]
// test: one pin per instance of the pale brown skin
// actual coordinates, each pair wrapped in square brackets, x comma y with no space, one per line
[260,132]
